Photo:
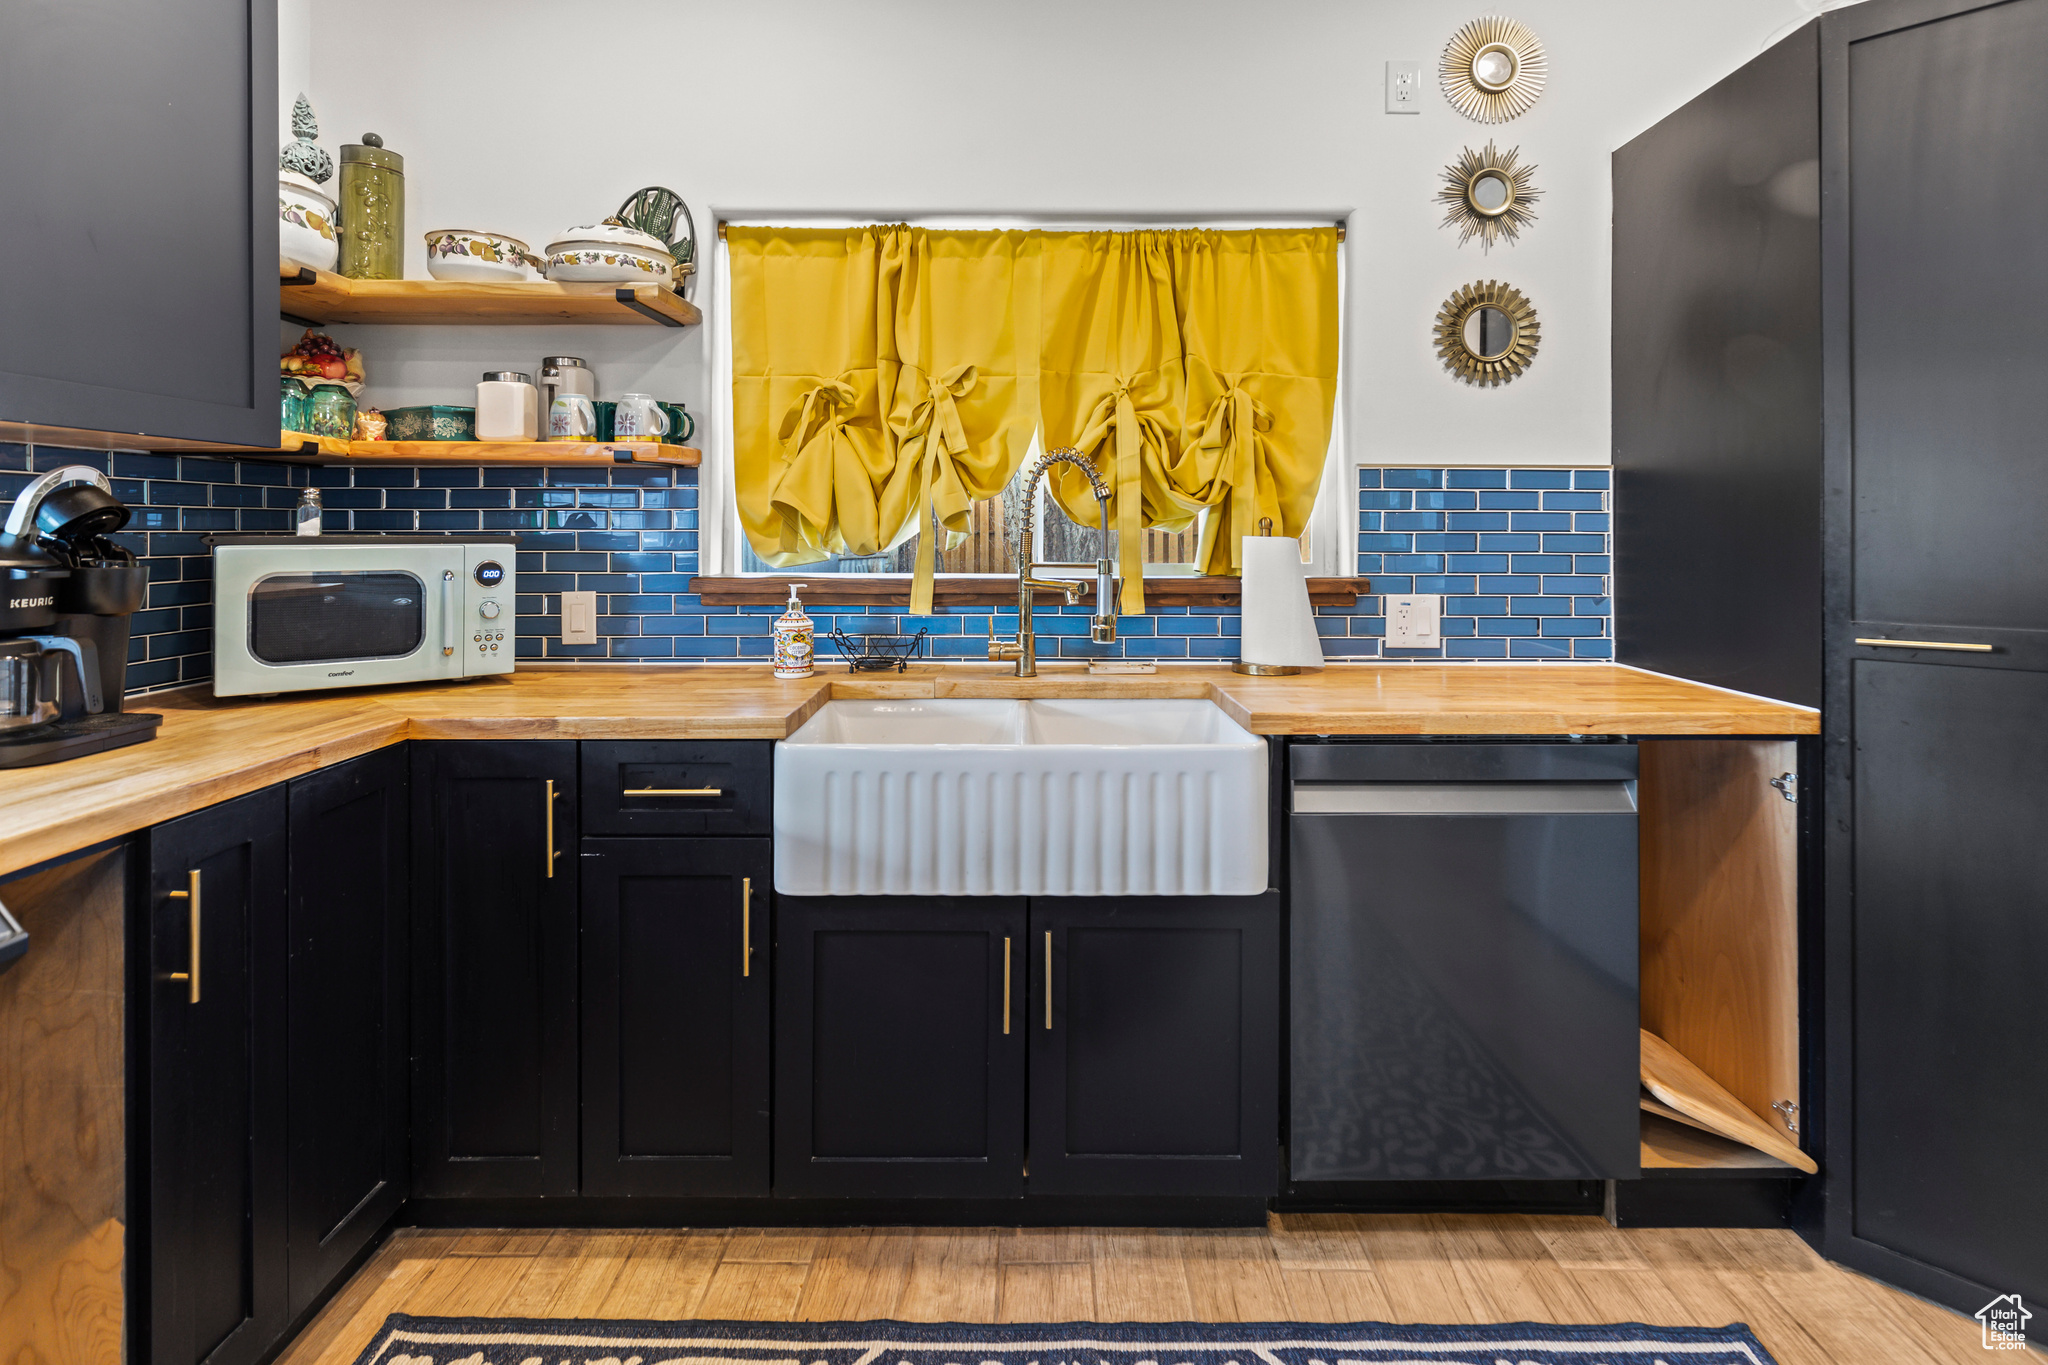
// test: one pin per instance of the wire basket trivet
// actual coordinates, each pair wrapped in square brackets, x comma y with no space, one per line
[879,653]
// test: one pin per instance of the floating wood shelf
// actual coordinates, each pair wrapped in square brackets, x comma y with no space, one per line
[316,298]
[294,447]
[986,590]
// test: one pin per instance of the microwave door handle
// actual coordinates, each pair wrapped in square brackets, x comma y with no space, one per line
[447,612]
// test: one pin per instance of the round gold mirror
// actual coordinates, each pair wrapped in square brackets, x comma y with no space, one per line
[1489,333]
[1493,66]
[1486,333]
[1492,70]
[1488,194]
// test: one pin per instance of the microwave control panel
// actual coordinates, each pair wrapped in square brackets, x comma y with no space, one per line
[489,595]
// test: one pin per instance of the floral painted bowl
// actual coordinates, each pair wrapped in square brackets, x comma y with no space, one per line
[609,253]
[305,223]
[464,254]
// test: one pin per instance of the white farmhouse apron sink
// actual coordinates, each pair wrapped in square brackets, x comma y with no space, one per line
[954,797]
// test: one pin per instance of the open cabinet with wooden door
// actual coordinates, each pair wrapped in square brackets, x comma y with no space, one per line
[1722,1097]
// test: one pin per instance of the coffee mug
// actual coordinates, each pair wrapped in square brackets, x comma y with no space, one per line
[638,418]
[604,418]
[681,425]
[572,417]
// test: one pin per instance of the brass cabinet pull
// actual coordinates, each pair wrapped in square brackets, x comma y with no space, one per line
[1048,979]
[1922,644]
[746,926]
[1006,985]
[552,855]
[191,977]
[673,791]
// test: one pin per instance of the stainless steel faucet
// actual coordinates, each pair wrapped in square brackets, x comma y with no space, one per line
[1102,629]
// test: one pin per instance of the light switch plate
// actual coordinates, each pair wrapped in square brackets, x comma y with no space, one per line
[1415,622]
[1404,87]
[579,618]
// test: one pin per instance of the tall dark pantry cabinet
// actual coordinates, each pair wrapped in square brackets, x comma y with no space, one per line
[1831,485]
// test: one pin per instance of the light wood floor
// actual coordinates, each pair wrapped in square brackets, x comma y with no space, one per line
[1317,1268]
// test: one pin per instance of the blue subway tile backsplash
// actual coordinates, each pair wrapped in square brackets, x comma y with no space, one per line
[1539,591]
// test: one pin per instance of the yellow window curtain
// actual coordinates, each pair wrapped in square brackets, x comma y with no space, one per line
[881,376]
[1112,383]
[1259,325]
[1198,370]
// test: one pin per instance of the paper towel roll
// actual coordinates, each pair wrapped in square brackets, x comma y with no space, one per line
[1278,624]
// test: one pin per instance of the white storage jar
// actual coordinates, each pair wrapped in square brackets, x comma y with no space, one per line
[507,407]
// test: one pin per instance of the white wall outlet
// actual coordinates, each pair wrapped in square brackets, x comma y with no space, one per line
[1415,622]
[579,618]
[1404,87]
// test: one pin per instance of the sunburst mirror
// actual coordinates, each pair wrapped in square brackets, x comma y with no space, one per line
[1488,195]
[1486,333]
[1492,69]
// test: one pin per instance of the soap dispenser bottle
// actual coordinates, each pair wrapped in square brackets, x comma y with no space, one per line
[795,639]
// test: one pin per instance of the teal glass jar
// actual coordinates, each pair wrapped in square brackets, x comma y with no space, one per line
[332,412]
[293,407]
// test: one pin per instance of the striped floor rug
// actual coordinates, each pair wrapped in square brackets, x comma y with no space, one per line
[407,1340]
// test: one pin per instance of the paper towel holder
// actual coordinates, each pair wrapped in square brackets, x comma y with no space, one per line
[1268,670]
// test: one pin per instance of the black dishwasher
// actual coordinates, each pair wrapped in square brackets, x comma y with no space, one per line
[1463,975]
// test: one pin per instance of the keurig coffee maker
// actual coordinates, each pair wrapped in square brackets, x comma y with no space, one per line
[66,595]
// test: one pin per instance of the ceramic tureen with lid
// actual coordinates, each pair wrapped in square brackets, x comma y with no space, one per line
[609,253]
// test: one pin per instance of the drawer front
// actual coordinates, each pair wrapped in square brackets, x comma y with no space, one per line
[677,786]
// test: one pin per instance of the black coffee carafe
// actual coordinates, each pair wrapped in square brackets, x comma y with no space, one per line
[94,606]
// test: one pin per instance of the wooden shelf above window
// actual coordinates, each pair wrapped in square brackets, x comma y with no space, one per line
[319,299]
[876,590]
[295,447]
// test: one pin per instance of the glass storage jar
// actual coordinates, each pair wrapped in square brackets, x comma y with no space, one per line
[332,412]
[291,404]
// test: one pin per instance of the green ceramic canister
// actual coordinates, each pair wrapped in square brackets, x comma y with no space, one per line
[372,211]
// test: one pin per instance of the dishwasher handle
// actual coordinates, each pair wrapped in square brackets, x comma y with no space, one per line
[1371,762]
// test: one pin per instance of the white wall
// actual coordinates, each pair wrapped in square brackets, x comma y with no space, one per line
[527,117]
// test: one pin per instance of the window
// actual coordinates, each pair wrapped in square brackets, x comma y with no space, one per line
[991,544]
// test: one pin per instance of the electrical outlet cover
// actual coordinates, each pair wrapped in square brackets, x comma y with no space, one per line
[1404,87]
[1415,621]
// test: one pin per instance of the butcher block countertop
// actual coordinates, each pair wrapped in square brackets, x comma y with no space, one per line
[209,751]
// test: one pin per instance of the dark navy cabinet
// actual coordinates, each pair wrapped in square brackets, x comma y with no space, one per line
[494,1090]
[900,1038]
[677,786]
[675,1016]
[1827,457]
[913,1035]
[154,322]
[348,912]
[1154,1025]
[1938,941]
[209,986]
[270,991]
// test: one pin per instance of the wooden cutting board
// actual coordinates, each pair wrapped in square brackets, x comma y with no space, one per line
[1673,1080]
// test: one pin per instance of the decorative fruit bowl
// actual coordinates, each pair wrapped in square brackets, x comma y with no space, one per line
[317,360]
